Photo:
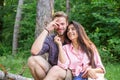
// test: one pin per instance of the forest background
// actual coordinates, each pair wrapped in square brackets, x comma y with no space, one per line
[100,18]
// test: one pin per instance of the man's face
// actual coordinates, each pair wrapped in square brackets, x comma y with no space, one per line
[62,25]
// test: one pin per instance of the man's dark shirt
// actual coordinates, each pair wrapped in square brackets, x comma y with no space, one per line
[51,48]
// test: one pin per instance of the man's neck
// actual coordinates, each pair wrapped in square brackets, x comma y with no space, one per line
[62,38]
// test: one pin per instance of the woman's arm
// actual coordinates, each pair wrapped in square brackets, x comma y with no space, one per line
[92,72]
[99,65]
[62,55]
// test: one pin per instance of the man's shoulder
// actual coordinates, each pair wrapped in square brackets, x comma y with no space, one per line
[51,36]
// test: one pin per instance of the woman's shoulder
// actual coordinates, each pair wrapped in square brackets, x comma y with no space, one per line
[67,45]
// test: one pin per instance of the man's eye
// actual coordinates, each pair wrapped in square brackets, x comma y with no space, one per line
[62,23]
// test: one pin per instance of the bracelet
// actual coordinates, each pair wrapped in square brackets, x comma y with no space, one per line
[46,29]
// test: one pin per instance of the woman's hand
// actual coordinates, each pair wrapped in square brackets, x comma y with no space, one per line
[57,40]
[91,73]
[62,57]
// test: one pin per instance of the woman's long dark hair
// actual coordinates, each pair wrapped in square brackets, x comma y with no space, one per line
[84,42]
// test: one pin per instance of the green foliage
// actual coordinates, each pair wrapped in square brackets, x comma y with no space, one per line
[27,27]
[4,50]
[15,65]
[114,46]
[100,18]
[106,55]
[8,16]
[60,5]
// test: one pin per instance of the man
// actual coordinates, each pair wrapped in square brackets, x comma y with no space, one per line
[39,67]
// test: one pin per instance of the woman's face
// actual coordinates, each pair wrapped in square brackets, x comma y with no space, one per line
[72,33]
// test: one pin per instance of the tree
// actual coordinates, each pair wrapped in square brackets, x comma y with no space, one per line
[67,6]
[16,27]
[44,14]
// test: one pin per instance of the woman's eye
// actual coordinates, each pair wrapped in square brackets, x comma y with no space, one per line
[68,30]
[73,28]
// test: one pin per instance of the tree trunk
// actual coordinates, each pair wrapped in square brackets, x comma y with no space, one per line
[10,76]
[44,15]
[16,27]
[67,6]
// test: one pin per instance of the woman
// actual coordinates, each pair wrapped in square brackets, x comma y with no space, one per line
[80,55]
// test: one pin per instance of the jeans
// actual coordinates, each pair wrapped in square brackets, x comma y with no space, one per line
[79,77]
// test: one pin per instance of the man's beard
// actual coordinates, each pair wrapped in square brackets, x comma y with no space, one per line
[60,34]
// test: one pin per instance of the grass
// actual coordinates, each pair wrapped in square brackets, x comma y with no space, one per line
[15,65]
[112,71]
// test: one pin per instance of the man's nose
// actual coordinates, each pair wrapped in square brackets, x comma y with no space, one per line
[59,26]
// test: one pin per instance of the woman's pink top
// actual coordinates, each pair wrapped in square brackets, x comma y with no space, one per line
[80,62]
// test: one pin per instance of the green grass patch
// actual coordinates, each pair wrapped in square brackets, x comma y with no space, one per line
[112,71]
[16,64]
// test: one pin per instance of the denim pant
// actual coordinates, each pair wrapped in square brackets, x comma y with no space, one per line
[79,77]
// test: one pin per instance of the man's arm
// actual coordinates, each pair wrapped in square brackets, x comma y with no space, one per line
[37,45]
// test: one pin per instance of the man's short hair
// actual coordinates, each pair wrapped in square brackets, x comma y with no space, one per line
[60,14]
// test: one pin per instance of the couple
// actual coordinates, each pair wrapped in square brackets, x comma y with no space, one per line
[70,51]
